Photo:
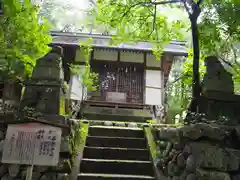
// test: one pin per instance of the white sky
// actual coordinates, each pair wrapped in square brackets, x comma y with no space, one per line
[75,13]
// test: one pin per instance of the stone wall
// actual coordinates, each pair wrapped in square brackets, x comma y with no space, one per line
[198,152]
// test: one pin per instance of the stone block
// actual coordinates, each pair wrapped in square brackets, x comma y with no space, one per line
[120,124]
[199,130]
[213,157]
[193,132]
[212,175]
[168,133]
[108,123]
[132,125]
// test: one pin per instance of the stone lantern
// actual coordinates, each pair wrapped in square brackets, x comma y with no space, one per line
[44,93]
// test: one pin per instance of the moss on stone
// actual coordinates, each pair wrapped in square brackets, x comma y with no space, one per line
[151,142]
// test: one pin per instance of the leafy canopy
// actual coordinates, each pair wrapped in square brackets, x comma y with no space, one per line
[87,78]
[135,21]
[23,38]
[140,20]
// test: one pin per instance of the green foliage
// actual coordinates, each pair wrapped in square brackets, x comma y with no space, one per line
[88,78]
[77,139]
[140,20]
[23,39]
[151,142]
[136,21]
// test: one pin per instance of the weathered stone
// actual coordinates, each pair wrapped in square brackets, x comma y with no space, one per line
[187,150]
[64,145]
[133,125]
[49,66]
[236,177]
[184,175]
[191,176]
[13,170]
[1,145]
[108,123]
[191,164]
[168,133]
[62,177]
[178,146]
[236,152]
[176,178]
[23,174]
[173,169]
[216,77]
[169,148]
[144,125]
[165,153]
[49,176]
[172,153]
[170,169]
[1,135]
[36,175]
[6,177]
[3,169]
[199,130]
[237,130]
[44,92]
[41,168]
[214,157]
[91,123]
[212,175]
[181,162]
[162,144]
[120,124]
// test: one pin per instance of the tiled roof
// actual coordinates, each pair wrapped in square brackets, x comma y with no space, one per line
[102,41]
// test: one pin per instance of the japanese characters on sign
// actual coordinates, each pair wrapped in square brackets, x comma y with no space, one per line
[32,144]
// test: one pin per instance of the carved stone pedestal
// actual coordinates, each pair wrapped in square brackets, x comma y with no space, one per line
[45,90]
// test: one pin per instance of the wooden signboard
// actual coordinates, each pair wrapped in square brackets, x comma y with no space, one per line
[32,144]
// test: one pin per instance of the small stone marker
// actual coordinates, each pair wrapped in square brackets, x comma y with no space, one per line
[217,78]
[32,144]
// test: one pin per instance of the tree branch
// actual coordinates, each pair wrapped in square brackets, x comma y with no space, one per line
[229,64]
[156,3]
[167,2]
[199,2]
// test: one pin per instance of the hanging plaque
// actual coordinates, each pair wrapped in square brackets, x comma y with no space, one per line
[116,97]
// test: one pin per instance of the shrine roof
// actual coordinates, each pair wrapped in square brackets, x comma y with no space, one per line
[177,48]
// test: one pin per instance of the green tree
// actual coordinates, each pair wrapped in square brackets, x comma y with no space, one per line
[23,39]
[87,78]
[140,20]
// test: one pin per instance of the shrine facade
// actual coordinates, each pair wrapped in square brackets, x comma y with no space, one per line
[131,80]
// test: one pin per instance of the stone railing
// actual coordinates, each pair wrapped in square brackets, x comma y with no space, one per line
[198,152]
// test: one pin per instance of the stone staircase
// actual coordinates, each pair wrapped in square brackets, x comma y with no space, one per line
[116,153]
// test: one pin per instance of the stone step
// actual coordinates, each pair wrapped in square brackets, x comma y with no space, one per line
[127,167]
[121,142]
[116,153]
[115,131]
[111,117]
[90,176]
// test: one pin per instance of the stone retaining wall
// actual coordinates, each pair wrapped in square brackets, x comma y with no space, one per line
[198,152]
